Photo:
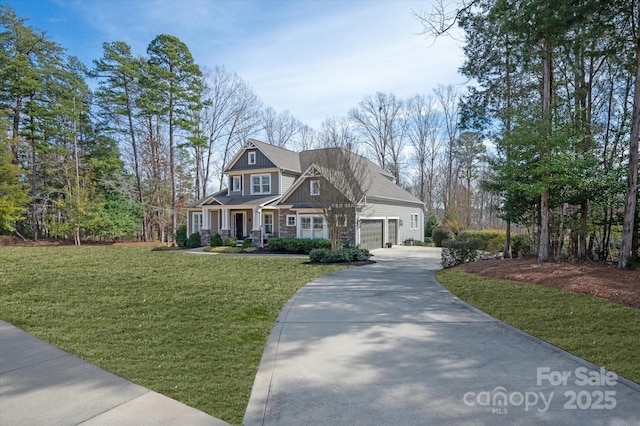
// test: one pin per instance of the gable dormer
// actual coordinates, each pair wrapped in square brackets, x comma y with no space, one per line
[250,157]
[259,155]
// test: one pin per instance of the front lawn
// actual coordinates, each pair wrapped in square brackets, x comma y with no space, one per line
[192,327]
[597,330]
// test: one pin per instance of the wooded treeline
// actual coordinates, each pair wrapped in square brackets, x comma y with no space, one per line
[543,139]
[557,92]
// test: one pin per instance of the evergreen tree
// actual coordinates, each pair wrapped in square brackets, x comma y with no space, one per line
[174,90]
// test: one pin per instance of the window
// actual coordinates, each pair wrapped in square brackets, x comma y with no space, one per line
[251,157]
[314,187]
[312,227]
[342,220]
[414,221]
[260,184]
[236,183]
[197,223]
[291,220]
[268,223]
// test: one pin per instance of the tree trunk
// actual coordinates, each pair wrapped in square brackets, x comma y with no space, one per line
[543,248]
[136,161]
[632,177]
[506,252]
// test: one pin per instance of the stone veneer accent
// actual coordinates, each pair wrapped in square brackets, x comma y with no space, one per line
[205,237]
[349,233]
[255,238]
[286,231]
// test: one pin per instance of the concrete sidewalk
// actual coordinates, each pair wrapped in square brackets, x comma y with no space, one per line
[43,385]
[385,344]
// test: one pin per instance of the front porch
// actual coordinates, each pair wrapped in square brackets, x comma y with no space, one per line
[255,223]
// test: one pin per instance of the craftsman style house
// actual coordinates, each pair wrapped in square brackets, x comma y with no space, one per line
[270,192]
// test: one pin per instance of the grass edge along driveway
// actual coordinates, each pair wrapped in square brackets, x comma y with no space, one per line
[191,327]
[597,330]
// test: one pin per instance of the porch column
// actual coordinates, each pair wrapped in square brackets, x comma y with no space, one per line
[225,229]
[257,218]
[206,219]
[256,232]
[225,218]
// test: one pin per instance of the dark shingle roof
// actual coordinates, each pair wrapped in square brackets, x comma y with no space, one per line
[281,157]
[380,183]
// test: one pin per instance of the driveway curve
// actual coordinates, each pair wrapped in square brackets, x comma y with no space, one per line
[386,344]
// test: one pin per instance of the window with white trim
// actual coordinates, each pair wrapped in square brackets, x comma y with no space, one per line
[236,183]
[314,187]
[251,157]
[291,220]
[260,184]
[312,227]
[268,223]
[414,221]
[196,224]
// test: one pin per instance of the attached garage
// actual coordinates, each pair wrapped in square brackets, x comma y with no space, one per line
[393,231]
[371,234]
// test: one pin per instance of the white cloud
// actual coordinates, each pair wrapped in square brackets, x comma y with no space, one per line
[314,58]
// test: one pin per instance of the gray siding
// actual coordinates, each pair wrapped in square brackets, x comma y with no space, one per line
[262,162]
[230,186]
[301,197]
[214,217]
[246,182]
[287,181]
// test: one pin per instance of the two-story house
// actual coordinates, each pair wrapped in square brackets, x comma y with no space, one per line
[268,192]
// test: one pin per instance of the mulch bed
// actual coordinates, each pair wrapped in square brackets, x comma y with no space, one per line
[591,278]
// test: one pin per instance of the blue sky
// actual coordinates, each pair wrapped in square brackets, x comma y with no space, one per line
[313,58]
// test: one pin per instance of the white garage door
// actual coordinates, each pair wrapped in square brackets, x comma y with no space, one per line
[371,234]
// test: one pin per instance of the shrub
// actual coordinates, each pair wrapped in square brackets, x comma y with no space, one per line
[194,240]
[296,245]
[412,242]
[456,252]
[520,245]
[491,240]
[432,222]
[230,242]
[246,243]
[216,241]
[323,255]
[441,233]
[181,235]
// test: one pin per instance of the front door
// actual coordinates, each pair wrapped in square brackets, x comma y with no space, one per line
[239,221]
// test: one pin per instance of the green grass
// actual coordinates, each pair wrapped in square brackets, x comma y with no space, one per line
[595,329]
[192,327]
[227,249]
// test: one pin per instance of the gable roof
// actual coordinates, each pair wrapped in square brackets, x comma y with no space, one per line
[380,183]
[283,158]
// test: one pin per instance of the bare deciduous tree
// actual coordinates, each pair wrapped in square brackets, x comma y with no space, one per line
[379,123]
[341,178]
[230,117]
[279,129]
[422,130]
[448,99]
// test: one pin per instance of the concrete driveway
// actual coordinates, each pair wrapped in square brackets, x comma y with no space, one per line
[385,344]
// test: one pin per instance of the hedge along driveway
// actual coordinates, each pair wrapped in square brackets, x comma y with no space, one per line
[189,327]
